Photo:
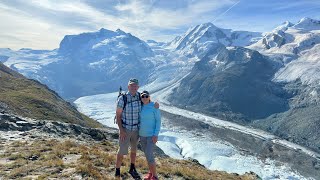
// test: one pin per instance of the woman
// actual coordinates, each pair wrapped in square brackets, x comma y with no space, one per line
[150,122]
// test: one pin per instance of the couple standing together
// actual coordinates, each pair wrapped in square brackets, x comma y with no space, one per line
[137,117]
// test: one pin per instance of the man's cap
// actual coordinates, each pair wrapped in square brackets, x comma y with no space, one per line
[133,81]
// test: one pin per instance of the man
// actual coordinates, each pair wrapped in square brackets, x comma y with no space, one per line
[127,115]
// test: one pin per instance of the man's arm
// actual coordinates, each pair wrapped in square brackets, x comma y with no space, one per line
[122,133]
[118,116]
[156,105]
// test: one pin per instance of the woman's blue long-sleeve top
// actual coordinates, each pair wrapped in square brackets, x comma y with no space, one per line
[150,120]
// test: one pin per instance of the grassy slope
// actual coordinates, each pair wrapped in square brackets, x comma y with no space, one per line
[67,159]
[29,98]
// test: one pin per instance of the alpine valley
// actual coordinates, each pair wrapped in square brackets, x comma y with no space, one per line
[236,101]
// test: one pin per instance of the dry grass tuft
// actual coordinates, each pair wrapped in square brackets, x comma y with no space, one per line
[44,159]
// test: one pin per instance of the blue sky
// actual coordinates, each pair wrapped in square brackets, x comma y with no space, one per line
[42,24]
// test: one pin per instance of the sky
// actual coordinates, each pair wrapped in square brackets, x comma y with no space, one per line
[42,24]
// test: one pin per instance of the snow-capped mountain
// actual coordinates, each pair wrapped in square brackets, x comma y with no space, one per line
[199,39]
[296,47]
[276,86]
[103,44]
[88,63]
[308,24]
[30,62]
[305,68]
[290,40]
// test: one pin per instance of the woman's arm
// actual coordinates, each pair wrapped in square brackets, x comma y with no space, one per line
[157,117]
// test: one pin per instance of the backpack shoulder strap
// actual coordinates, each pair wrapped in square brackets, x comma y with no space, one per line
[124,96]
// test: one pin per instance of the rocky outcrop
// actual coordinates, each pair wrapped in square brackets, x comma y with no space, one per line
[10,122]
[14,123]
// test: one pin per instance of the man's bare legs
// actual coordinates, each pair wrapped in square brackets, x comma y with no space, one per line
[133,156]
[119,160]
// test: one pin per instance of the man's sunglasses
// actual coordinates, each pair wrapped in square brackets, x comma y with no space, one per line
[145,96]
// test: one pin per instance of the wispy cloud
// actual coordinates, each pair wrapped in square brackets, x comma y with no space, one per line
[42,24]
[145,19]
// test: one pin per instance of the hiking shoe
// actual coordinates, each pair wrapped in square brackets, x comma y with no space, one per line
[134,173]
[148,176]
[154,178]
[117,175]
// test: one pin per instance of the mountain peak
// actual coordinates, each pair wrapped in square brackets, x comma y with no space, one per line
[208,24]
[107,32]
[201,38]
[306,19]
[74,42]
[308,24]
[104,31]
[284,26]
[120,31]
[287,24]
